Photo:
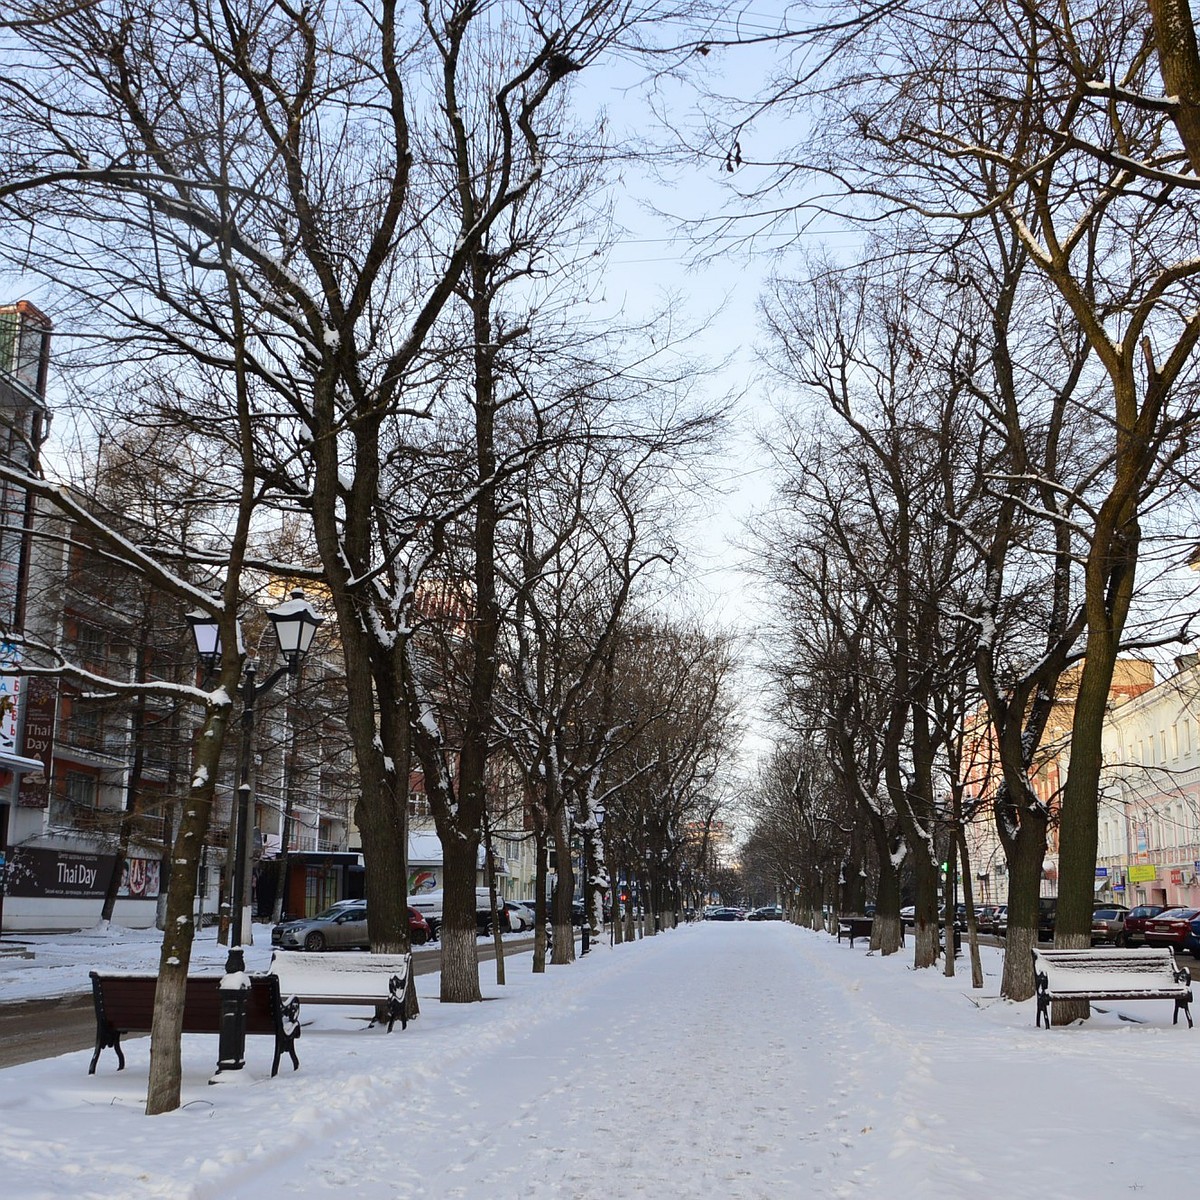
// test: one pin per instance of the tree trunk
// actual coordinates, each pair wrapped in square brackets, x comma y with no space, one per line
[1179,63]
[886,929]
[563,951]
[926,933]
[460,938]
[166,1073]
[541,876]
[291,770]
[964,857]
[170,813]
[497,925]
[1025,858]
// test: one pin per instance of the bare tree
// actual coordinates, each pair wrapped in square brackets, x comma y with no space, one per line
[263,193]
[1049,121]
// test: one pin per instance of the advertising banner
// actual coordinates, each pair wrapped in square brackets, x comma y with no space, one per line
[68,874]
[41,697]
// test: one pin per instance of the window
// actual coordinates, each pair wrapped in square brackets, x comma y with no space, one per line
[74,800]
[1175,740]
[90,641]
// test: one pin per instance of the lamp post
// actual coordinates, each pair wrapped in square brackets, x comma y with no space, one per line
[295,622]
[585,856]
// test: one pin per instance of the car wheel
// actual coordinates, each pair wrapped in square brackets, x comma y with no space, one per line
[314,941]
[1120,940]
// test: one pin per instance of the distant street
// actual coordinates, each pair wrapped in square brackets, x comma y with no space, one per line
[35,1029]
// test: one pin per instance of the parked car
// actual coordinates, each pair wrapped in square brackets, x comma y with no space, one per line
[769,912]
[908,914]
[341,927]
[1135,922]
[1000,920]
[1176,927]
[722,914]
[982,917]
[1047,912]
[418,928]
[517,918]
[1108,925]
[985,918]
[430,905]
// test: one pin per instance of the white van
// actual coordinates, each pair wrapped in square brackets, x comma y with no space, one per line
[429,905]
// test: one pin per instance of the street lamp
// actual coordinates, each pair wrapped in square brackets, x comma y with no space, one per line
[295,622]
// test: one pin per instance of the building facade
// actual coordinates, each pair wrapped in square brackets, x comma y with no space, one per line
[1149,831]
[91,781]
[1132,678]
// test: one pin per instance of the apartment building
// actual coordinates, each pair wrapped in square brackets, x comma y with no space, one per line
[1149,831]
[1132,678]
[90,783]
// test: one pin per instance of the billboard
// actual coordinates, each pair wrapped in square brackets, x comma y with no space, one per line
[71,874]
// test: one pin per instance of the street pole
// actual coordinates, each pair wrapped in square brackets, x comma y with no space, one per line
[295,622]
[586,932]
[231,1043]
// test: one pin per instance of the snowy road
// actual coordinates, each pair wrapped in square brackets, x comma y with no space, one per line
[741,1061]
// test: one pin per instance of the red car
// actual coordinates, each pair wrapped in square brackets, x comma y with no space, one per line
[1171,927]
[418,928]
[1135,922]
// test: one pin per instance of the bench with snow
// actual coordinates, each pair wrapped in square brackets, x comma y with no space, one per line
[1147,973]
[125,1004]
[346,977]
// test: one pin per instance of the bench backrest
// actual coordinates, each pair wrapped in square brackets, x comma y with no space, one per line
[127,1002]
[342,974]
[1148,969]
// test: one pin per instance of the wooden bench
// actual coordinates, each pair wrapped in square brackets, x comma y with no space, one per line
[125,1004]
[860,927]
[855,927]
[1149,973]
[346,977]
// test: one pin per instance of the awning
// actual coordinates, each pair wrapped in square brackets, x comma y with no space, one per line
[1101,884]
[20,765]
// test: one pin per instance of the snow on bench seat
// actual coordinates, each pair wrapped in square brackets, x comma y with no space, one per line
[346,977]
[1148,973]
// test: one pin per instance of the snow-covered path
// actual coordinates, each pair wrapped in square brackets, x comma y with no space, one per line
[740,1061]
[676,1073]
